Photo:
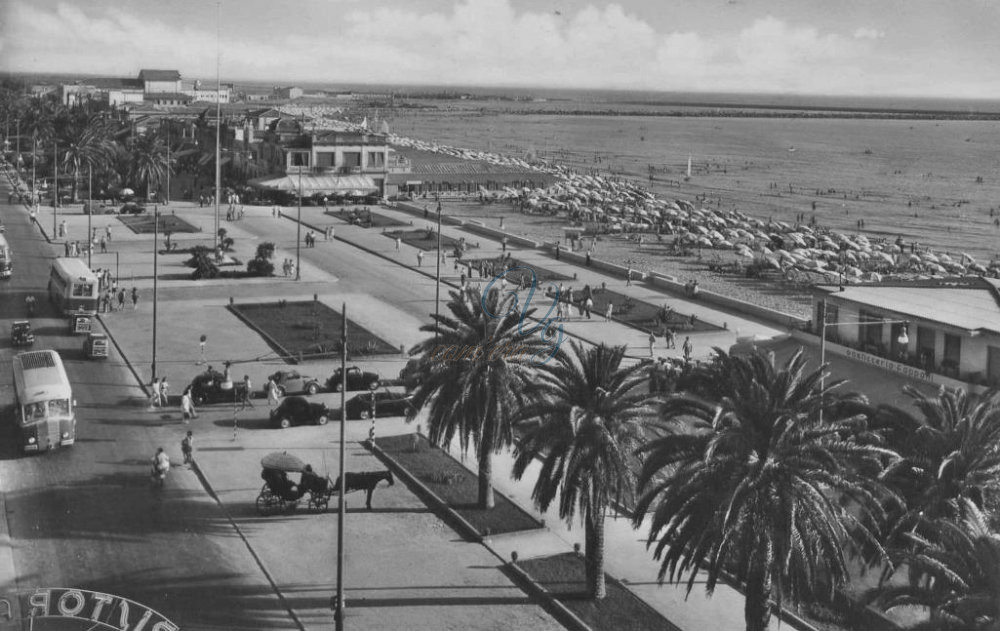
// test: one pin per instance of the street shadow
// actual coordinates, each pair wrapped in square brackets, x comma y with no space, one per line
[246,423]
[200,598]
[376,510]
[123,506]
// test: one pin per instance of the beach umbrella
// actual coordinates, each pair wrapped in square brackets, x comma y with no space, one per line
[968,257]
[977,267]
[283,461]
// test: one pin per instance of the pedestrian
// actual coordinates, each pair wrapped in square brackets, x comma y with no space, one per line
[398,243]
[628,277]
[62,229]
[187,405]
[671,339]
[247,389]
[330,233]
[420,258]
[274,211]
[135,298]
[187,448]
[121,299]
[652,341]
[426,211]
[503,243]
[164,390]
[609,311]
[273,394]
[688,348]
[154,393]
[107,233]
[104,245]
[161,466]
[588,304]
[557,250]
[66,248]
[588,258]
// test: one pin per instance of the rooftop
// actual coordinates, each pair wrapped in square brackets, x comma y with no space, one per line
[967,302]
[159,75]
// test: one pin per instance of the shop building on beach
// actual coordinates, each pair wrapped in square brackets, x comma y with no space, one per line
[942,330]
[322,161]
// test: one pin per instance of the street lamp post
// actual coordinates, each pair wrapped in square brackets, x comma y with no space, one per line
[338,611]
[55,183]
[90,213]
[437,280]
[156,258]
[823,325]
[298,232]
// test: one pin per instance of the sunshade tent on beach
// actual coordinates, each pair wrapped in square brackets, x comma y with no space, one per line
[357,185]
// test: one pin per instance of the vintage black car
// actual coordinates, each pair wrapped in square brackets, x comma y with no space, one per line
[386,404]
[20,333]
[131,208]
[291,382]
[357,379]
[299,411]
[207,388]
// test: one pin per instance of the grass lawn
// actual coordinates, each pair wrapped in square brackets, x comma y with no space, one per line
[310,329]
[376,220]
[455,485]
[423,239]
[143,224]
[563,575]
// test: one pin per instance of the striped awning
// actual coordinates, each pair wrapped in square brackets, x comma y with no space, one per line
[317,183]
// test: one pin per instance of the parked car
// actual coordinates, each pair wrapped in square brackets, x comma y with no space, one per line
[207,388]
[386,404]
[20,333]
[357,379]
[299,411]
[131,208]
[291,382]
[96,345]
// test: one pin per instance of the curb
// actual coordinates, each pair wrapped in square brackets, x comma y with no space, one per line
[559,611]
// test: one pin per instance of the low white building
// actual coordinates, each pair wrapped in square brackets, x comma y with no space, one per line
[952,325]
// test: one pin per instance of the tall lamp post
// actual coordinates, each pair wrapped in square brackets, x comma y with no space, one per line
[437,280]
[298,232]
[903,339]
[338,610]
[55,183]
[90,213]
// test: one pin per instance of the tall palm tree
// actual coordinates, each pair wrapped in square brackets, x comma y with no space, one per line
[748,483]
[474,374]
[87,141]
[585,423]
[149,161]
[955,573]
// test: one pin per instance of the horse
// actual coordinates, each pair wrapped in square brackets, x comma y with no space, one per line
[364,481]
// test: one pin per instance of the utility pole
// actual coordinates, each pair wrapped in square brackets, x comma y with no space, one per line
[90,214]
[55,183]
[339,605]
[166,199]
[218,120]
[156,258]
[437,283]
[298,232]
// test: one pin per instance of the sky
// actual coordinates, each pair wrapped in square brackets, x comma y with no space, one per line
[933,48]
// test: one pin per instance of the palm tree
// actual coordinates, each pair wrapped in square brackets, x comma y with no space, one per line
[585,423]
[955,574]
[748,483]
[950,452]
[87,141]
[148,161]
[473,376]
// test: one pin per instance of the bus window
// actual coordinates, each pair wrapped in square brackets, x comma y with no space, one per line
[83,290]
[59,407]
[34,412]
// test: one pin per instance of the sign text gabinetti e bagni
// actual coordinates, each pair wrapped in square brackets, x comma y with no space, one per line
[112,612]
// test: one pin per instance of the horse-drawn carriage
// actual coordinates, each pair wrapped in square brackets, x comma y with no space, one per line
[279,494]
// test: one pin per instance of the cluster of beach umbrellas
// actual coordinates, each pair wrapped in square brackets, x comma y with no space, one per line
[624,205]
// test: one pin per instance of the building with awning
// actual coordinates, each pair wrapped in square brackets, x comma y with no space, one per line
[952,326]
[318,183]
[329,161]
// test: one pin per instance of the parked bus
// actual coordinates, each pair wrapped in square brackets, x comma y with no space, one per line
[73,289]
[43,399]
[6,264]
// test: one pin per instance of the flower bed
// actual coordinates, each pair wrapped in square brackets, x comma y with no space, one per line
[454,485]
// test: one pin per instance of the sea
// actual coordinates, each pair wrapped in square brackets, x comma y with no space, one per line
[919,169]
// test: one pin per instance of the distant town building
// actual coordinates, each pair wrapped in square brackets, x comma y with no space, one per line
[154,81]
[288,93]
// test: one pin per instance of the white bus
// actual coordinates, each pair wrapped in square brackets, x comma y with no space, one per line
[73,287]
[43,399]
[6,264]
